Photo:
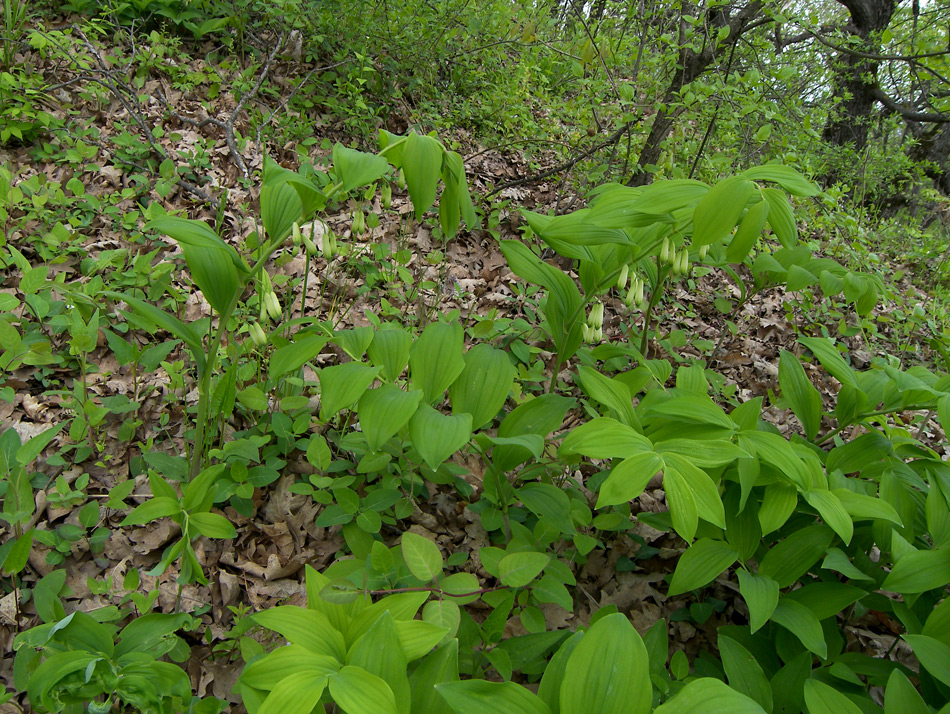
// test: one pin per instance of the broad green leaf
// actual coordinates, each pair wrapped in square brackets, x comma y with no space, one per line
[342,385]
[839,561]
[901,697]
[435,668]
[212,263]
[357,168]
[418,637]
[384,411]
[18,555]
[824,349]
[518,569]
[781,218]
[800,393]
[787,561]
[748,232]
[803,623]
[692,408]
[297,693]
[604,438]
[53,670]
[482,386]
[937,624]
[778,503]
[421,165]
[719,210]
[212,525]
[708,695]
[456,169]
[166,321]
[538,416]
[776,451]
[744,673]
[356,691]
[155,507]
[608,671]
[704,453]
[549,503]
[785,176]
[821,698]
[437,436]
[380,653]
[919,571]
[476,696]
[826,599]
[266,672]
[292,357]
[308,628]
[422,556]
[628,479]
[550,589]
[390,351]
[760,593]
[831,512]
[682,505]
[703,561]
[860,506]
[436,359]
[286,198]
[612,394]
[443,613]
[668,196]
[933,654]
[705,493]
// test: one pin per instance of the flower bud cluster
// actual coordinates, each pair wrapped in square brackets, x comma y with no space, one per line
[270,305]
[592,330]
[257,334]
[635,294]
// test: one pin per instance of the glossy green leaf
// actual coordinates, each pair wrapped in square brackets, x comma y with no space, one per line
[518,569]
[297,693]
[832,512]
[476,696]
[703,562]
[421,165]
[357,168]
[482,386]
[608,671]
[787,561]
[435,668]
[155,507]
[718,212]
[761,595]
[826,599]
[860,506]
[604,438]
[422,556]
[748,232]
[437,436]
[803,623]
[821,698]
[436,359]
[390,351]
[707,695]
[356,691]
[919,571]
[292,357]
[744,673]
[384,411]
[901,697]
[342,385]
[933,654]
[308,628]
[628,479]
[800,393]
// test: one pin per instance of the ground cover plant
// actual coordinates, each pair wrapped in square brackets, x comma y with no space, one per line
[308,409]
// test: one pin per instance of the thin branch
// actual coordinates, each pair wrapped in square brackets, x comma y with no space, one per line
[906,112]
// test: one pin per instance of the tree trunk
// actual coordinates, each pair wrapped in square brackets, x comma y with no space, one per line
[855,78]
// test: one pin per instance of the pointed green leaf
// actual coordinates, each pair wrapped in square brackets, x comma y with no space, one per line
[628,479]
[780,217]
[787,561]
[539,416]
[831,512]
[518,569]
[785,176]
[297,693]
[390,351]
[707,695]
[380,653]
[604,438]
[357,168]
[744,673]
[421,165]
[919,571]
[748,232]
[703,562]
[435,668]
[824,349]
[169,323]
[801,622]
[901,697]
[760,593]
[436,359]
[384,411]
[308,628]
[800,393]
[482,386]
[821,698]
[342,385]
[437,436]
[422,556]
[612,394]
[476,696]
[608,672]
[704,491]
[155,507]
[292,357]
[718,212]
[357,691]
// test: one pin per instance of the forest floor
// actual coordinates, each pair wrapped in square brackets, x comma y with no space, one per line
[263,565]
